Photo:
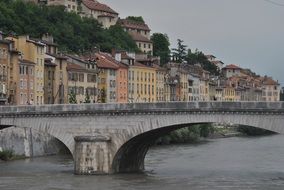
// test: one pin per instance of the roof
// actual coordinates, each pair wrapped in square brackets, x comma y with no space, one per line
[57,56]
[95,5]
[139,38]
[27,61]
[133,25]
[137,64]
[74,57]
[35,42]
[125,56]
[269,81]
[217,62]
[232,66]
[122,65]
[72,66]
[44,42]
[48,62]
[107,15]
[104,61]
[158,67]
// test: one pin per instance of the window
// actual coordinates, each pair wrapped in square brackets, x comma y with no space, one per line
[137,75]
[49,75]
[21,84]
[81,77]
[137,89]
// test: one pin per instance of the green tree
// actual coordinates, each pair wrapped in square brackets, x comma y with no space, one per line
[87,99]
[71,32]
[161,47]
[199,57]
[72,98]
[136,19]
[180,53]
[103,96]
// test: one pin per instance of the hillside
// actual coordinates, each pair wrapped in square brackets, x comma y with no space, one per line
[70,31]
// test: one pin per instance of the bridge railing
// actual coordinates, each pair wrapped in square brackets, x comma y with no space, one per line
[145,107]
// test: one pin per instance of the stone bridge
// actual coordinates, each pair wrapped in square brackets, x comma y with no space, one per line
[112,138]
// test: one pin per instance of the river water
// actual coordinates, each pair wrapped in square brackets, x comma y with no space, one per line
[231,163]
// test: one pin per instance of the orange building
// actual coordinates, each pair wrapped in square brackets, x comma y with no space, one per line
[122,83]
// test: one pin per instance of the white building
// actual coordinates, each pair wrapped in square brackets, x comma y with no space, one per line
[103,13]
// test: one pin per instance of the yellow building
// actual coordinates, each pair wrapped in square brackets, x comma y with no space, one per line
[141,83]
[33,51]
[183,85]
[229,93]
[107,78]
[160,83]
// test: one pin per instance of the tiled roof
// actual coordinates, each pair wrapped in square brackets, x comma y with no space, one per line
[133,25]
[269,81]
[104,61]
[139,38]
[95,5]
[232,66]
[72,66]
[137,64]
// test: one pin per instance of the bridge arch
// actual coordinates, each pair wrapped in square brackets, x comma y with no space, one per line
[131,154]
[60,137]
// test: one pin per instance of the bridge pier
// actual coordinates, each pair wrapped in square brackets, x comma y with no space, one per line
[91,155]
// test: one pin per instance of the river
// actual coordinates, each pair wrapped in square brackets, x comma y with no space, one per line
[220,164]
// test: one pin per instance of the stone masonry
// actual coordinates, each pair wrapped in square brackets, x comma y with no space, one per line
[111,138]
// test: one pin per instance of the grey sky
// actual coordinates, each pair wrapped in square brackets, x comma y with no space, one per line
[248,33]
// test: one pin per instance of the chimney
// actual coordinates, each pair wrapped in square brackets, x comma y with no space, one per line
[118,57]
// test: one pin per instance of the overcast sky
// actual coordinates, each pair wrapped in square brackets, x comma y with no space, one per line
[248,33]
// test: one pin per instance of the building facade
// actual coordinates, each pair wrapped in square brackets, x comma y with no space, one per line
[103,13]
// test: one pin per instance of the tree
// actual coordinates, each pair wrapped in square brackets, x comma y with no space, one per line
[103,96]
[179,53]
[72,98]
[71,32]
[199,57]
[87,99]
[136,19]
[161,46]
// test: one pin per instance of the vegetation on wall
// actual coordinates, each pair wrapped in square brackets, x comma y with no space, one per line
[70,31]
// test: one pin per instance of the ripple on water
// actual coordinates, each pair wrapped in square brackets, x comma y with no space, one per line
[222,164]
